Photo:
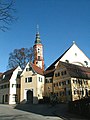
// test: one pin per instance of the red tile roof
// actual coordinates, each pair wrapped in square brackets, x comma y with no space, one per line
[37,69]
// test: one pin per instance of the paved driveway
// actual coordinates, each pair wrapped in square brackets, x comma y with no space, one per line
[36,112]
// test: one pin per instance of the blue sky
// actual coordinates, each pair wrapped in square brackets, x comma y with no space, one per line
[60,23]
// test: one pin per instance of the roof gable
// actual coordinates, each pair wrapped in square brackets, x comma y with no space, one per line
[73,55]
[7,75]
[76,56]
[35,69]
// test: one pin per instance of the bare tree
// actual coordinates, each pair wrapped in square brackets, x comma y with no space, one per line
[20,57]
[6,13]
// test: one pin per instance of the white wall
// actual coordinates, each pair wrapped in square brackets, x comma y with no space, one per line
[75,56]
[40,86]
[13,89]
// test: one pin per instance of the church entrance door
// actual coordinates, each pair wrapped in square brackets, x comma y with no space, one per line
[29,96]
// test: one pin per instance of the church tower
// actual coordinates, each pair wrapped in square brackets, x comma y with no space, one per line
[38,51]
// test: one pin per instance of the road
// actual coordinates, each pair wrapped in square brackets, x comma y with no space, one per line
[35,112]
[8,113]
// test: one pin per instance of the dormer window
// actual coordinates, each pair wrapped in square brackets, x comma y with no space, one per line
[29,69]
[3,76]
[67,61]
[86,63]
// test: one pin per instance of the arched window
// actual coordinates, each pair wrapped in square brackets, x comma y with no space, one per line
[86,63]
[67,61]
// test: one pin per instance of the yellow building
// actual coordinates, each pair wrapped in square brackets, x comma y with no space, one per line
[71,82]
[48,86]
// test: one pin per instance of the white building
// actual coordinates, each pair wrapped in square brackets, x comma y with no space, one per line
[10,86]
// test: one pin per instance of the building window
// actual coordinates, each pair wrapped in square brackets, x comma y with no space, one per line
[75,92]
[29,69]
[54,84]
[25,80]
[48,88]
[48,80]
[18,85]
[86,82]
[29,79]
[57,84]
[40,80]
[56,74]
[3,76]
[75,81]
[1,86]
[14,98]
[62,73]
[6,98]
[75,54]
[67,81]
[65,72]
[18,76]
[38,57]
[67,61]
[38,50]
[86,63]
[80,82]
[13,85]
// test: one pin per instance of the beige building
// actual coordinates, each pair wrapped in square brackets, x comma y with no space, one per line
[32,84]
